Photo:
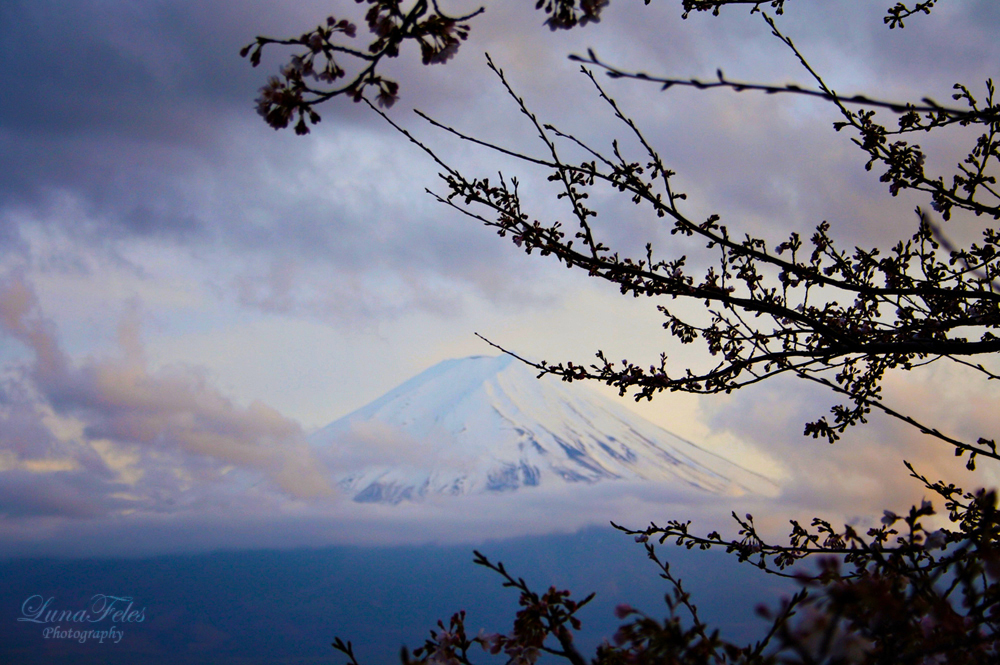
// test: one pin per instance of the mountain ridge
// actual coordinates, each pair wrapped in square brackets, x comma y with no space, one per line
[487,424]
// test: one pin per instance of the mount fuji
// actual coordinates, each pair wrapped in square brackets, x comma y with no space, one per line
[487,424]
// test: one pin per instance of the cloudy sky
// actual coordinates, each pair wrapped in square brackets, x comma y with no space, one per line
[185,293]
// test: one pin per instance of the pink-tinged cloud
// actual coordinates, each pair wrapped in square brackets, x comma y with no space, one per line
[162,431]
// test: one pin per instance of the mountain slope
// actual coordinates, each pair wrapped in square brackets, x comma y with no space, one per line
[486,424]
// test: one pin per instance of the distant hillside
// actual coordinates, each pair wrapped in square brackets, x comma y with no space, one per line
[274,607]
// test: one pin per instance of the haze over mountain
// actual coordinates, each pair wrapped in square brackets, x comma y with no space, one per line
[487,424]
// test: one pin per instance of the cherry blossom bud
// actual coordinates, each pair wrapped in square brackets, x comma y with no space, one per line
[624,610]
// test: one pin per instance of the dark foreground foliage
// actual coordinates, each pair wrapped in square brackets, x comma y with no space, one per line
[904,592]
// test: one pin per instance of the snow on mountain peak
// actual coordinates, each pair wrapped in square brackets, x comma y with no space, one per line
[487,424]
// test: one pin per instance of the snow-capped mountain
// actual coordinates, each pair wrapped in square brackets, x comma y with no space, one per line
[487,424]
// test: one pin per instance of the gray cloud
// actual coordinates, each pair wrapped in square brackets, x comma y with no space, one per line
[135,125]
[141,120]
[76,495]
